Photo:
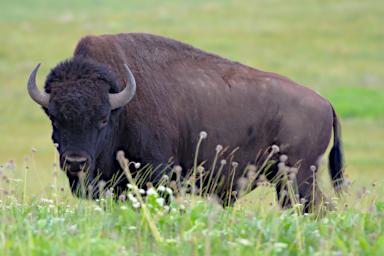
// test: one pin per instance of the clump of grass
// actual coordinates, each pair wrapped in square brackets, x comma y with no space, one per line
[180,216]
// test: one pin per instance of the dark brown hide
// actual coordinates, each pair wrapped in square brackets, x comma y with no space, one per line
[182,90]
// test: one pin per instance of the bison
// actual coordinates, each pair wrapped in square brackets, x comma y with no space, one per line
[258,119]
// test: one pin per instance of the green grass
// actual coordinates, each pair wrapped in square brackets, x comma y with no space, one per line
[334,47]
[52,223]
[48,229]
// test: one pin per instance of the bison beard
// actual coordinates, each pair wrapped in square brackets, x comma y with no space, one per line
[181,91]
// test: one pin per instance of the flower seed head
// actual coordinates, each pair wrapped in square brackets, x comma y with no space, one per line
[294,170]
[242,183]
[283,158]
[120,156]
[219,148]
[262,178]
[292,176]
[101,184]
[108,193]
[178,169]
[203,135]
[10,165]
[275,149]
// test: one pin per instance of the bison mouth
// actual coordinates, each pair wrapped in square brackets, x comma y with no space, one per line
[83,187]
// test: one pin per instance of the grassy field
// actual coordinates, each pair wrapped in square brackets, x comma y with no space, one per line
[334,47]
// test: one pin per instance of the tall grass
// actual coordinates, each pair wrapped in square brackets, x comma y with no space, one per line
[54,223]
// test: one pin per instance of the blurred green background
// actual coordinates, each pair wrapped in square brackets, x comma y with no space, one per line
[335,47]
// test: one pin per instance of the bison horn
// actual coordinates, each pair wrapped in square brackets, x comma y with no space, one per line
[40,97]
[120,99]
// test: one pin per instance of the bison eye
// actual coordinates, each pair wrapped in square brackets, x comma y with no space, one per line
[103,123]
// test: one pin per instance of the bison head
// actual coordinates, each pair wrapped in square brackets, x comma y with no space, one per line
[82,102]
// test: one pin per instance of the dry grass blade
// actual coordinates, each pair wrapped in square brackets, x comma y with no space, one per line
[124,163]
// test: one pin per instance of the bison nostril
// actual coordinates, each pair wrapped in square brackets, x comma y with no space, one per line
[75,163]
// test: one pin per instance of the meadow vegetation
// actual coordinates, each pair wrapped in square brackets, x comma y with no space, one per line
[334,47]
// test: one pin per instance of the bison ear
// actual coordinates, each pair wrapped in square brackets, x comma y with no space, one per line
[40,97]
[120,99]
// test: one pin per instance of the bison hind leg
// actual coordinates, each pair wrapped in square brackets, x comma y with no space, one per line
[310,195]
[301,189]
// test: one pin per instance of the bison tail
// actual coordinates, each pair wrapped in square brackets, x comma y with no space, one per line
[336,161]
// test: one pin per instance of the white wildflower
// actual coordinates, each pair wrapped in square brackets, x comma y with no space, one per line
[160,201]
[151,191]
[132,198]
[169,190]
[47,201]
[279,245]
[98,209]
[244,242]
